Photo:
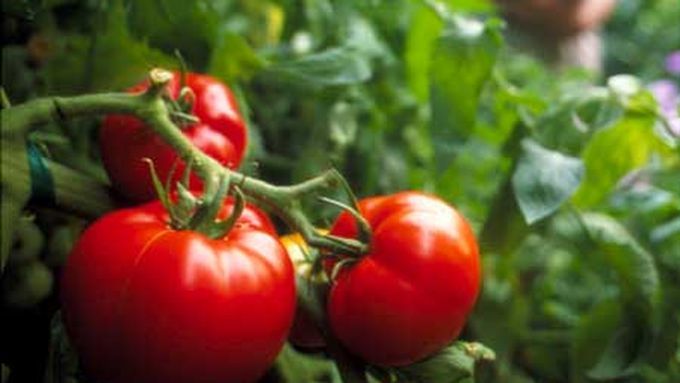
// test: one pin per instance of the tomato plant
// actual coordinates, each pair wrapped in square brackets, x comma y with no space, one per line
[411,294]
[220,132]
[568,179]
[146,303]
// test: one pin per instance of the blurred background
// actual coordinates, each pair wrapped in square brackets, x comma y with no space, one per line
[551,124]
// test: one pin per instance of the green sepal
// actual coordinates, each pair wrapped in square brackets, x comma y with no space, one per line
[204,218]
[460,362]
[161,191]
[220,229]
[185,206]
[363,226]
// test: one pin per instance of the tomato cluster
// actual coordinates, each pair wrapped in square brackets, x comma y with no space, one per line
[146,302]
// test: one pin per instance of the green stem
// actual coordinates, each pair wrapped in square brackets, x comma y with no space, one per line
[10,212]
[19,119]
[74,191]
[78,193]
[14,192]
[283,201]
[4,100]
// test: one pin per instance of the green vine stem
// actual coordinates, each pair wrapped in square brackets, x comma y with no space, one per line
[14,195]
[284,201]
[78,193]
[74,192]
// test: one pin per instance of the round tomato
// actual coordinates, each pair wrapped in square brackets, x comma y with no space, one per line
[125,140]
[145,303]
[304,333]
[409,296]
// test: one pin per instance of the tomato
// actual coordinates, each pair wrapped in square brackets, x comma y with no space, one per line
[297,250]
[409,296]
[125,140]
[304,333]
[145,303]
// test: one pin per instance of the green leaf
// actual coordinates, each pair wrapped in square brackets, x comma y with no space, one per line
[335,66]
[623,353]
[424,30]
[471,5]
[504,227]
[460,362]
[233,59]
[591,336]
[111,59]
[569,123]
[460,66]
[363,37]
[294,366]
[543,180]
[639,286]
[615,151]
[634,266]
[187,26]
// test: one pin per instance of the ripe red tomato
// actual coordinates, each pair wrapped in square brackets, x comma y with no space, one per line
[145,303]
[125,140]
[410,295]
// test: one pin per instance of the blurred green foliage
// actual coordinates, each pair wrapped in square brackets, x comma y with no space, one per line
[651,24]
[571,183]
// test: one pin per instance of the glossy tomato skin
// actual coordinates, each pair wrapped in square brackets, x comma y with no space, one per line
[148,304]
[410,295]
[125,140]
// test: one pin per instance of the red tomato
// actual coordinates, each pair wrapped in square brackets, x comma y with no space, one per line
[410,295]
[125,140]
[148,304]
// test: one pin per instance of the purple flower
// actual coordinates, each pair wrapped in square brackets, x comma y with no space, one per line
[668,97]
[666,94]
[673,62]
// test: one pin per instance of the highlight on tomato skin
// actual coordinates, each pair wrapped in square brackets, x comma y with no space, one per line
[125,140]
[145,303]
[411,294]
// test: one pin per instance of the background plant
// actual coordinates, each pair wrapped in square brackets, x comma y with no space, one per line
[572,188]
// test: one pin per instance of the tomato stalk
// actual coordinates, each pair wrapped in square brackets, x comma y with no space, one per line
[363,226]
[284,201]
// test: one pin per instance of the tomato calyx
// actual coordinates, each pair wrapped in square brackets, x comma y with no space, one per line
[188,212]
[364,233]
[340,265]
[335,262]
[180,110]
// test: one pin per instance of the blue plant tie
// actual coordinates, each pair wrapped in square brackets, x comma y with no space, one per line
[42,183]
